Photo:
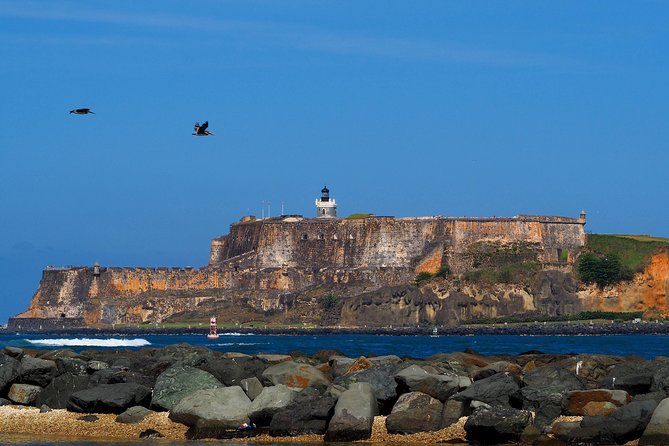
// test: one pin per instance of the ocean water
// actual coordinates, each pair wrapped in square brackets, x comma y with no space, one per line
[647,346]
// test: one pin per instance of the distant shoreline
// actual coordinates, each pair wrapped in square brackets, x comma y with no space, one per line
[527,329]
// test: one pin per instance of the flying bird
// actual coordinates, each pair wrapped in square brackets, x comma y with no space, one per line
[201,130]
[82,111]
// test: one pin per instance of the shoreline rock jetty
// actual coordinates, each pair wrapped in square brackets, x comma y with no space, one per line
[187,392]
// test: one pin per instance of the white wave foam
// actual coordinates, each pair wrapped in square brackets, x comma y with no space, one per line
[234,333]
[90,342]
[227,344]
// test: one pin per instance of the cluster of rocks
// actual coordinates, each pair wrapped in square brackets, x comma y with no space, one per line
[506,398]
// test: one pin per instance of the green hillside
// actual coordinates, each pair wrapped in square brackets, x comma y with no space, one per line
[634,251]
[608,259]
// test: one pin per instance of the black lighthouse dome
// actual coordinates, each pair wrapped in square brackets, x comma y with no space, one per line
[325,194]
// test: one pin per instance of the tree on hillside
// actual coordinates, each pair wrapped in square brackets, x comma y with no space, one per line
[600,270]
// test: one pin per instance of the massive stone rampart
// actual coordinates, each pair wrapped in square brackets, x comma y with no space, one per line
[372,242]
[259,261]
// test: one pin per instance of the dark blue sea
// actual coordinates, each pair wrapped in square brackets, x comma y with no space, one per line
[647,346]
[354,345]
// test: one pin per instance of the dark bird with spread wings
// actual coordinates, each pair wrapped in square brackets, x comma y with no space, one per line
[201,130]
[82,111]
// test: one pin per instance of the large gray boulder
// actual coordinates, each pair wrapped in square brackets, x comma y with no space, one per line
[10,370]
[500,389]
[251,386]
[223,408]
[231,371]
[657,430]
[116,375]
[453,411]
[25,394]
[109,398]
[270,401]
[554,376]
[544,401]
[625,424]
[339,365]
[415,412]
[58,392]
[382,380]
[296,375]
[416,379]
[37,371]
[178,382]
[354,414]
[632,376]
[305,415]
[497,425]
[72,366]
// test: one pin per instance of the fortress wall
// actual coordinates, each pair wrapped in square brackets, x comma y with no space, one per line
[243,238]
[467,232]
[61,293]
[341,243]
[561,236]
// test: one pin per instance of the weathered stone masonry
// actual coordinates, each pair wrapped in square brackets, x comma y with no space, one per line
[290,253]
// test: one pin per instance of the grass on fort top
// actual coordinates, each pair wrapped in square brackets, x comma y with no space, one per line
[634,251]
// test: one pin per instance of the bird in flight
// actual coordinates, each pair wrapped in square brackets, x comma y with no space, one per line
[82,111]
[201,130]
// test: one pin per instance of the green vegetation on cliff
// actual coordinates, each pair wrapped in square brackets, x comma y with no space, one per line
[634,251]
[582,316]
[612,258]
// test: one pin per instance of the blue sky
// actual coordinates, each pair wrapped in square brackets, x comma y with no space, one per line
[401,108]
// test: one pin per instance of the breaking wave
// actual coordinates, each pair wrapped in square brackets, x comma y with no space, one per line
[227,344]
[90,342]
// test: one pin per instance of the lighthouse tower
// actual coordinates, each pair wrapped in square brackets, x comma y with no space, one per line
[326,207]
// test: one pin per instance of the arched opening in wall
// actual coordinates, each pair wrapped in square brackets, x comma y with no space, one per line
[62,314]
[304,237]
[322,211]
[320,236]
[334,237]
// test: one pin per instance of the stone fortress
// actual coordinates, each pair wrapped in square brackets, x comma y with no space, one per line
[265,263]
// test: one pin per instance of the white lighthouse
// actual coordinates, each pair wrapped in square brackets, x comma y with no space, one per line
[326,207]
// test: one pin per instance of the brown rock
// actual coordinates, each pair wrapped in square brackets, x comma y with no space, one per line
[594,408]
[361,363]
[576,400]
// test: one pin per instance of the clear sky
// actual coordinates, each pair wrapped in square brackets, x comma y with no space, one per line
[458,108]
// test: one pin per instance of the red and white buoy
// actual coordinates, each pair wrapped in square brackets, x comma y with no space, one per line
[212,329]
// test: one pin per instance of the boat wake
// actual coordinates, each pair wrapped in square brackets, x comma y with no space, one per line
[90,342]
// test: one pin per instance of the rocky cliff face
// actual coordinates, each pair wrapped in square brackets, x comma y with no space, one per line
[648,290]
[356,301]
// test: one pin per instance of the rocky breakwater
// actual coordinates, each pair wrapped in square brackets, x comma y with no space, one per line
[532,397]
